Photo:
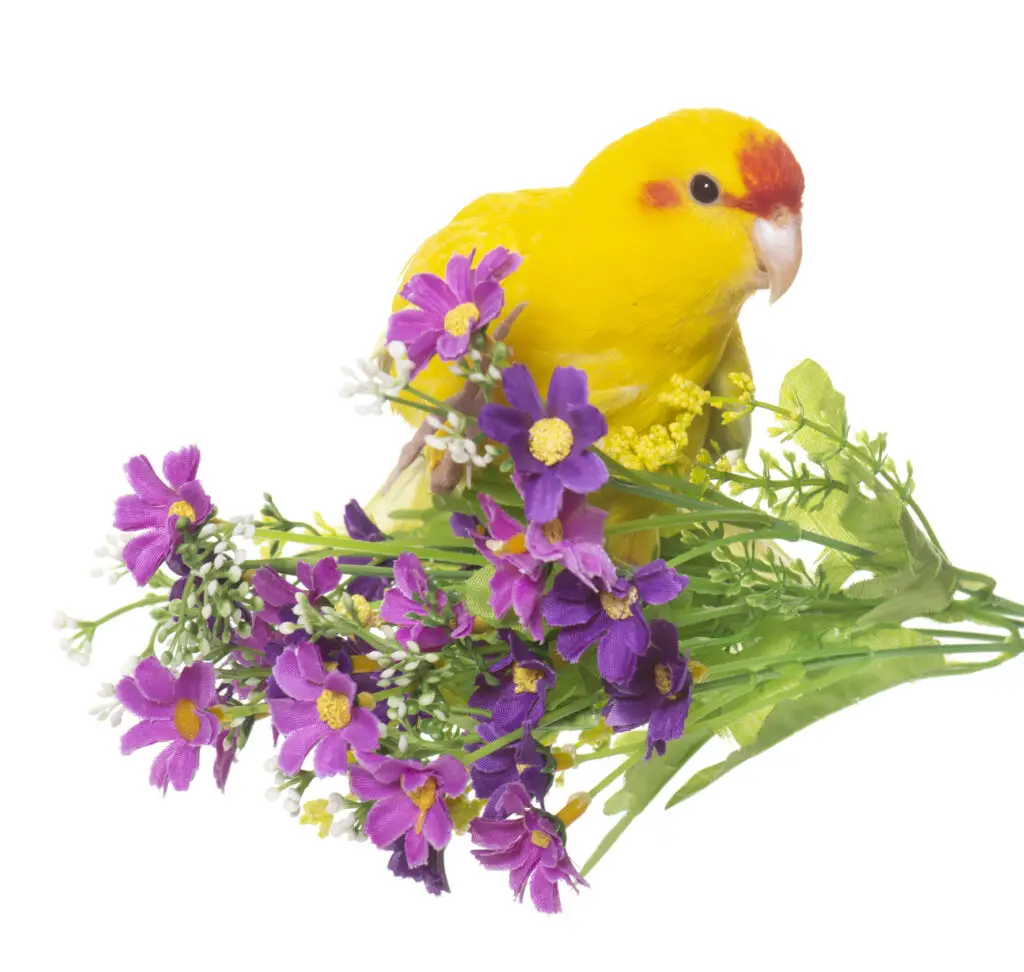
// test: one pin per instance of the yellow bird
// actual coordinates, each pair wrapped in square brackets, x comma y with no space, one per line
[637,271]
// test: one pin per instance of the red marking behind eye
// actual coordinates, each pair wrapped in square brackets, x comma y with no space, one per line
[661,194]
[772,177]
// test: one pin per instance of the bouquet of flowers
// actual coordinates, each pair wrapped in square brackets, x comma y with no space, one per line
[428,674]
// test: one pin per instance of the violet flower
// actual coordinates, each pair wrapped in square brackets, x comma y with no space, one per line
[420,614]
[431,875]
[521,762]
[225,758]
[360,527]
[548,443]
[520,696]
[154,507]
[613,619]
[172,710]
[530,847]
[408,801]
[518,580]
[575,539]
[280,597]
[659,693]
[320,712]
[446,312]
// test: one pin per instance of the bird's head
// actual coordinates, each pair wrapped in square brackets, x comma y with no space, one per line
[705,196]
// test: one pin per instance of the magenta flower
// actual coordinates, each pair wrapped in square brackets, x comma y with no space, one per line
[423,616]
[548,443]
[612,619]
[447,312]
[320,712]
[408,801]
[659,693]
[174,711]
[518,580]
[521,694]
[154,507]
[575,539]
[280,597]
[530,847]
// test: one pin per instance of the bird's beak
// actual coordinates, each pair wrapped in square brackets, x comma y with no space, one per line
[778,246]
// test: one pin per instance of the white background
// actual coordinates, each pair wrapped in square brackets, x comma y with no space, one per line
[203,211]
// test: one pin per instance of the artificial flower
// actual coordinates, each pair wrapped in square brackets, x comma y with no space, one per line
[613,619]
[659,693]
[172,710]
[155,507]
[521,761]
[575,539]
[427,618]
[549,443]
[360,527]
[529,845]
[519,697]
[320,711]
[408,800]
[431,874]
[446,312]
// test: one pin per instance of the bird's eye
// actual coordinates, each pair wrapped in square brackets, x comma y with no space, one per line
[704,189]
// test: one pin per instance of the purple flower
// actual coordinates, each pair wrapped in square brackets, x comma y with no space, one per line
[659,693]
[320,711]
[521,693]
[225,758]
[530,847]
[518,580]
[613,619]
[409,801]
[421,615]
[548,443]
[280,597]
[154,507]
[173,711]
[360,527]
[520,762]
[431,875]
[446,313]
[575,539]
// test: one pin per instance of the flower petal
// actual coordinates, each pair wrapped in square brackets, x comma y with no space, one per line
[364,730]
[197,682]
[501,423]
[148,732]
[583,472]
[490,299]
[182,766]
[133,513]
[297,746]
[587,424]
[408,326]
[543,494]
[181,467]
[430,292]
[572,642]
[521,391]
[389,818]
[437,826]
[147,484]
[144,554]
[290,715]
[567,390]
[331,756]
[156,682]
[657,583]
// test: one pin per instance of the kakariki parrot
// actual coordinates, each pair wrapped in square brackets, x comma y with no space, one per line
[638,270]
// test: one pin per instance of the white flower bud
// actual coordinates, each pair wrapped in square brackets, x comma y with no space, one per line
[335,803]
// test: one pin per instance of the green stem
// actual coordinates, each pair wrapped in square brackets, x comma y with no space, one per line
[619,770]
[683,519]
[751,536]
[383,548]
[148,600]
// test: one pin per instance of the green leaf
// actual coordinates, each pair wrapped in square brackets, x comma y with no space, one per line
[829,691]
[476,594]
[808,391]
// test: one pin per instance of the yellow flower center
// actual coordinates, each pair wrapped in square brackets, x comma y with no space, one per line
[513,545]
[423,798]
[182,508]
[334,709]
[539,839]
[525,679]
[363,611]
[553,531]
[619,608]
[186,719]
[459,319]
[550,440]
[662,679]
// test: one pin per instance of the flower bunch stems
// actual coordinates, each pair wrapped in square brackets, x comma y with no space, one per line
[444,677]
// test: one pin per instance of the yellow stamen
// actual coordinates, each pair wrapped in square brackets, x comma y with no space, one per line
[525,679]
[363,612]
[334,709]
[423,798]
[182,508]
[365,700]
[186,719]
[662,679]
[699,671]
[564,759]
[553,531]
[619,608]
[361,665]
[539,839]
[574,809]
[513,545]
[550,440]
[459,319]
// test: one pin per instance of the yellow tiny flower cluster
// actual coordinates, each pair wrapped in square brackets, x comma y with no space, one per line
[744,383]
[660,445]
[315,812]
[463,811]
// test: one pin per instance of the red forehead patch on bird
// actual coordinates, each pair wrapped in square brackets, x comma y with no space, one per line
[771,175]
[661,194]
